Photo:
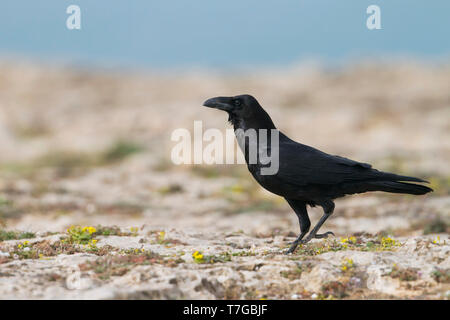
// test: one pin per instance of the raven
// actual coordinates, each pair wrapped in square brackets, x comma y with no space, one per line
[307,176]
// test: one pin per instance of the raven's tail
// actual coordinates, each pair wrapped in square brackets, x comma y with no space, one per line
[399,187]
[387,182]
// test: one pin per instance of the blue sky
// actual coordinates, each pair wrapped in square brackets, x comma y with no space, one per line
[222,34]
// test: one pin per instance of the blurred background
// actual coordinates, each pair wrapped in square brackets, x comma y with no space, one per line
[86,115]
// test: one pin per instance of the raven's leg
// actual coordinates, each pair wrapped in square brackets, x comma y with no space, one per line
[300,210]
[328,208]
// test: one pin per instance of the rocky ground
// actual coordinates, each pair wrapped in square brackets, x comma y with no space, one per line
[91,206]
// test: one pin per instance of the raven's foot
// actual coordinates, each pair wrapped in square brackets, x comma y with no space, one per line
[318,236]
[293,246]
[323,235]
[308,239]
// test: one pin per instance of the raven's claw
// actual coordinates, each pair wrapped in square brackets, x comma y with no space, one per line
[323,235]
[295,244]
[308,238]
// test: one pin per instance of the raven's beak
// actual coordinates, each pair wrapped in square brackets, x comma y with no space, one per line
[221,103]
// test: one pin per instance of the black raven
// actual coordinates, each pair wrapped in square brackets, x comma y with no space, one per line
[306,176]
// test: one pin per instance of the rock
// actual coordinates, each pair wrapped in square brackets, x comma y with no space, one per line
[378,281]
[78,281]
[320,274]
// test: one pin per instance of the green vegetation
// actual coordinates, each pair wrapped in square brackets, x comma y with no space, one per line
[80,235]
[334,289]
[114,231]
[297,271]
[216,171]
[242,253]
[15,235]
[171,189]
[440,185]
[347,266]
[200,258]
[404,274]
[122,208]
[441,275]
[68,161]
[45,249]
[352,243]
[7,209]
[246,196]
[120,150]
[118,265]
[436,226]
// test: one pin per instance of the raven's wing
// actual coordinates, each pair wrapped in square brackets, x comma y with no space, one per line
[303,165]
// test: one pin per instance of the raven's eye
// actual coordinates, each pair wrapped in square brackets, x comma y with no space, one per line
[237,102]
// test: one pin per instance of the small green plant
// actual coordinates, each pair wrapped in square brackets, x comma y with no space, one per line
[334,289]
[296,272]
[441,275]
[114,231]
[118,265]
[381,244]
[247,253]
[161,236]
[350,243]
[436,226]
[80,235]
[134,231]
[121,150]
[25,250]
[346,241]
[171,189]
[200,258]
[347,265]
[438,241]
[313,249]
[388,243]
[404,274]
[15,235]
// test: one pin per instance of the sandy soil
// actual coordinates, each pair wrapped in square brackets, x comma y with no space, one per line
[92,148]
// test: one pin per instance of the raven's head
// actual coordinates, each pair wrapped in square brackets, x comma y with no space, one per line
[243,111]
[243,106]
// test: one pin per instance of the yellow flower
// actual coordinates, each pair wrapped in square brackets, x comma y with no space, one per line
[237,188]
[134,229]
[347,264]
[25,243]
[388,242]
[197,256]
[351,239]
[161,236]
[437,240]
[91,230]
